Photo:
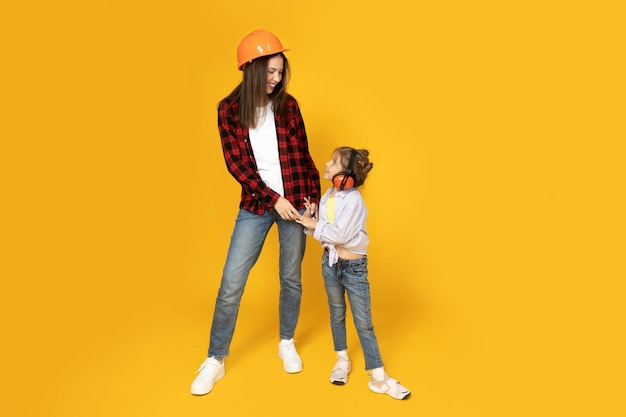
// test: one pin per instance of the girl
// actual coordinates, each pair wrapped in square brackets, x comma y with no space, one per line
[341,230]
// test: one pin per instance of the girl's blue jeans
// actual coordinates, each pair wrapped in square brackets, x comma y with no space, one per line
[350,277]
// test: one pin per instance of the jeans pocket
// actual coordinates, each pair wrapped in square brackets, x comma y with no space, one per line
[358,267]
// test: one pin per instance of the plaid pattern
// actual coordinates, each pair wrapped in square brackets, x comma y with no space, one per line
[300,176]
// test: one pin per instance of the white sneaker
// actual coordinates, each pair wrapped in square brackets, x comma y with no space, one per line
[291,360]
[339,374]
[390,387]
[211,371]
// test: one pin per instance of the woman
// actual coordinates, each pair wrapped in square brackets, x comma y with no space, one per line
[266,150]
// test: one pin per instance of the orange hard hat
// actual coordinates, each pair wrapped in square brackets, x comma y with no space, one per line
[256,44]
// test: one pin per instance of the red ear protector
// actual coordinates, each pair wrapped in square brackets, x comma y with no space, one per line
[345,180]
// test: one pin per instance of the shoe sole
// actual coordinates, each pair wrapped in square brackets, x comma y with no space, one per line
[205,392]
[292,370]
[380,391]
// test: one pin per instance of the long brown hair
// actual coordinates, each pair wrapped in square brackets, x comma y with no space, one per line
[252,91]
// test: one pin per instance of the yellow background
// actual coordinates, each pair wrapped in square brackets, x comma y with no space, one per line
[496,205]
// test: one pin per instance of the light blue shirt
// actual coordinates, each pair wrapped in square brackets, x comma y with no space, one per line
[348,229]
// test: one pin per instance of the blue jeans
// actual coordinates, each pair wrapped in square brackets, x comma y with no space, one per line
[350,276]
[246,243]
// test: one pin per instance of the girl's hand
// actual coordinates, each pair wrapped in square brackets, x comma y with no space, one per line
[311,208]
[307,221]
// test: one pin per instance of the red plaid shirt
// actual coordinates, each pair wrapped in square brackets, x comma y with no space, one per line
[300,176]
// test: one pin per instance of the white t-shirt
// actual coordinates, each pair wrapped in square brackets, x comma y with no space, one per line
[265,147]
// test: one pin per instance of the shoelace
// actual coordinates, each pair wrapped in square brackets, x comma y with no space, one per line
[289,346]
[203,369]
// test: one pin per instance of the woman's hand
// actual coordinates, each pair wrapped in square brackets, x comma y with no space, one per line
[286,210]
